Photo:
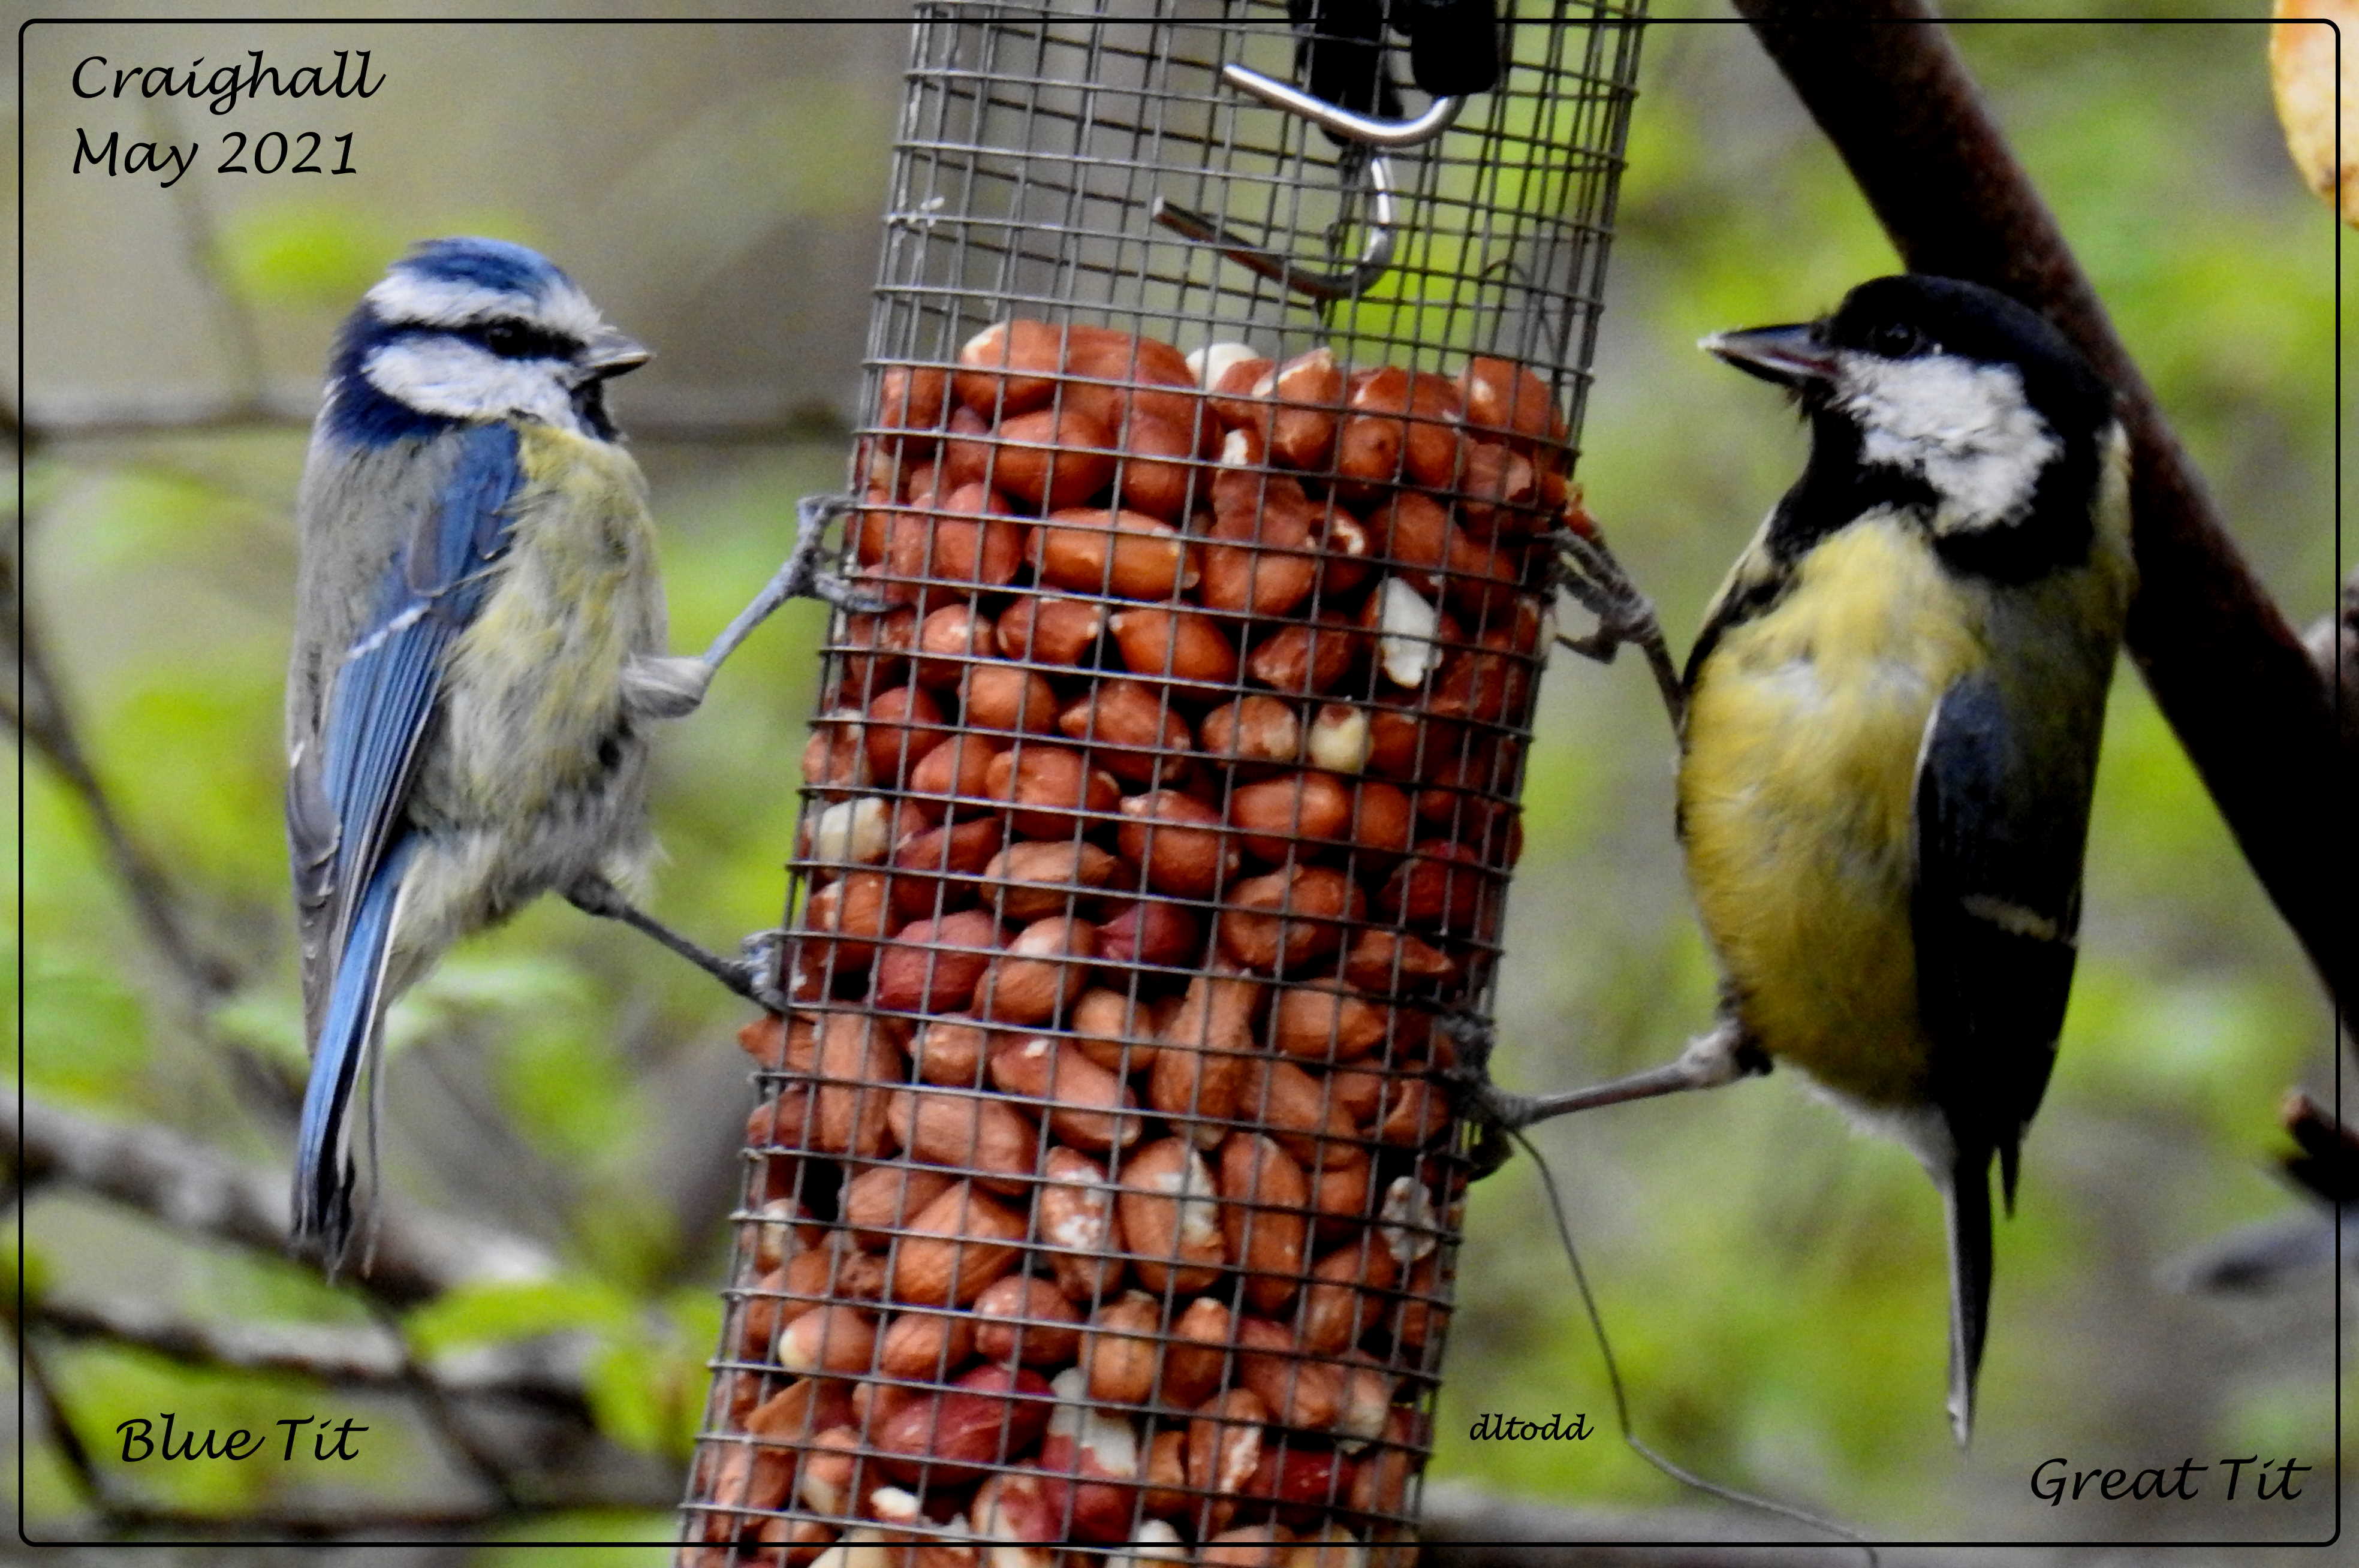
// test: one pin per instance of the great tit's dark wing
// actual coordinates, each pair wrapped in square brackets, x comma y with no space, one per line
[1994,909]
[349,781]
[1996,903]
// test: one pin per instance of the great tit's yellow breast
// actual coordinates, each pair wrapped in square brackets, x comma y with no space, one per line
[1797,801]
[534,686]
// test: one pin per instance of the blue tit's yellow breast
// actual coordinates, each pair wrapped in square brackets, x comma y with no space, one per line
[533,690]
[1797,793]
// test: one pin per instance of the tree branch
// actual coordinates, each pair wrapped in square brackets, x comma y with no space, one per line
[192,1188]
[549,1371]
[356,1358]
[2224,665]
[2333,644]
[45,724]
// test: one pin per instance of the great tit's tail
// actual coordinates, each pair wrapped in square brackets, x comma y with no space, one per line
[1965,1196]
[325,1176]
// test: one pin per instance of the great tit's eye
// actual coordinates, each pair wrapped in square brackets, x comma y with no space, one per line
[1895,341]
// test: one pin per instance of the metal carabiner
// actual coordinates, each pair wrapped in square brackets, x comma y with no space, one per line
[1366,129]
[1375,256]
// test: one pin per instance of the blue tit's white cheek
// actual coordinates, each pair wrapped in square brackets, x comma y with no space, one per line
[1965,428]
[462,379]
[414,299]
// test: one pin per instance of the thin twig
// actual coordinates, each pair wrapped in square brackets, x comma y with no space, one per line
[115,417]
[433,1403]
[195,1190]
[1885,86]
[60,1428]
[45,723]
[201,238]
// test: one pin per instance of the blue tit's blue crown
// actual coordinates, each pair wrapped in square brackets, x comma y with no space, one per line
[495,264]
[464,330]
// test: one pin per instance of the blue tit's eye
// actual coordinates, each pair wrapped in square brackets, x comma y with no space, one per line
[1897,340]
[510,340]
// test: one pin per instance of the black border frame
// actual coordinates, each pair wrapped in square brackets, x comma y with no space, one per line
[26,1425]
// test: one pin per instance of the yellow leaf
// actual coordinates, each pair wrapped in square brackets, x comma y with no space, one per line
[2301,68]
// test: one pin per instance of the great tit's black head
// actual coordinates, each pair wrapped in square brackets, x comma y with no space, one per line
[1944,396]
[472,328]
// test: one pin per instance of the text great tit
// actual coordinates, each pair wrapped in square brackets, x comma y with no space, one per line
[478,654]
[1888,735]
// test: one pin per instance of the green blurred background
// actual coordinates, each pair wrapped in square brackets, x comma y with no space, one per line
[1773,1280]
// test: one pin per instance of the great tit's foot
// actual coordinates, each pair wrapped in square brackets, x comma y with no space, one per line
[1486,1106]
[749,974]
[1587,572]
[1721,1054]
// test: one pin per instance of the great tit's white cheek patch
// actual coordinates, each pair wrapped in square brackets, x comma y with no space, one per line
[1966,429]
[462,379]
[405,298]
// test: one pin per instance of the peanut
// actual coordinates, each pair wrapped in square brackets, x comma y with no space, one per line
[1090,550]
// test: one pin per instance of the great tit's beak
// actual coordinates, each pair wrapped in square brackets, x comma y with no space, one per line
[612,354]
[1791,356]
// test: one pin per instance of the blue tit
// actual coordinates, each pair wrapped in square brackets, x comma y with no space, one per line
[1889,726]
[478,654]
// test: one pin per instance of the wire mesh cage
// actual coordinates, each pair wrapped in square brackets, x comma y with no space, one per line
[1227,360]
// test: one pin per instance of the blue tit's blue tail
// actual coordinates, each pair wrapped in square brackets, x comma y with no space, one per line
[324,1174]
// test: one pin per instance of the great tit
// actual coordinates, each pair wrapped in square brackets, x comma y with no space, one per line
[1891,731]
[477,657]
[1888,733]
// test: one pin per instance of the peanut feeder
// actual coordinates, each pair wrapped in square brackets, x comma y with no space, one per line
[1105,1185]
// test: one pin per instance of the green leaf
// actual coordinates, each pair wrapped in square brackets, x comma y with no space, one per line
[631,1393]
[495,1313]
[313,252]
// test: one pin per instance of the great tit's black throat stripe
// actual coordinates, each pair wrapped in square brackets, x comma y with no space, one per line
[1743,603]
[2055,534]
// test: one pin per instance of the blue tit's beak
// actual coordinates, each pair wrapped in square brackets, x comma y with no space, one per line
[612,354]
[1791,356]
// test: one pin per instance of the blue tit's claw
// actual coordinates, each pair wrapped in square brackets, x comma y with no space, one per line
[848,596]
[750,974]
[759,964]
[805,576]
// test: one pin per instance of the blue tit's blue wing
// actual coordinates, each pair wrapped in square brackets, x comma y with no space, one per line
[2001,825]
[346,803]
[381,701]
